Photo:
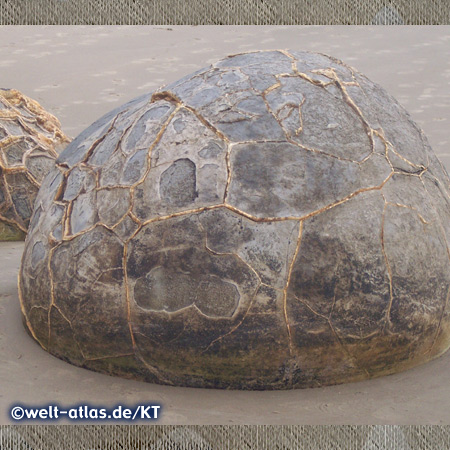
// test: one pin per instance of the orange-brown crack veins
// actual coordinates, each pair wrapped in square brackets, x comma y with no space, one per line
[51,152]
[31,179]
[229,174]
[99,358]
[16,168]
[128,128]
[285,52]
[71,237]
[4,144]
[300,116]
[331,73]
[68,237]
[286,287]
[292,105]
[127,295]
[153,370]
[213,252]
[419,172]
[52,288]
[128,214]
[306,77]
[252,300]
[388,266]
[71,328]
[32,132]
[133,217]
[311,214]
[335,60]
[418,166]
[301,74]
[380,134]
[95,144]
[355,108]
[48,121]
[336,335]
[288,135]
[149,165]
[251,217]
[170,97]
[66,221]
[21,169]
[24,313]
[412,208]
[389,146]
[8,201]
[13,222]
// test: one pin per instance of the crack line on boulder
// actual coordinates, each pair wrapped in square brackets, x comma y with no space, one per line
[356,109]
[127,294]
[169,96]
[25,315]
[69,237]
[412,208]
[100,358]
[252,300]
[335,333]
[13,222]
[71,328]
[228,164]
[388,266]
[153,145]
[297,144]
[52,288]
[288,280]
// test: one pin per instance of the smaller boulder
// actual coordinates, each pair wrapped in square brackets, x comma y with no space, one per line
[30,141]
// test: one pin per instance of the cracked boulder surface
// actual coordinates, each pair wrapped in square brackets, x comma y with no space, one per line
[273,221]
[30,141]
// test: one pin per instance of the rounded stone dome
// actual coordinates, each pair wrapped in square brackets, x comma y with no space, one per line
[30,140]
[275,220]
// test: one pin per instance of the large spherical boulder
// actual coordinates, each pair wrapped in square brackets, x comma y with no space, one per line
[276,220]
[30,140]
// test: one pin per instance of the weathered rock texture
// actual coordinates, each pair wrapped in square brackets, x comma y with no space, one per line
[30,140]
[273,221]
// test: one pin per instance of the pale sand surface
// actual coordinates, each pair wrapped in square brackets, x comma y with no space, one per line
[79,73]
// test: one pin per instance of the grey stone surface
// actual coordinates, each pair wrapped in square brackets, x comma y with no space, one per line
[281,180]
[273,221]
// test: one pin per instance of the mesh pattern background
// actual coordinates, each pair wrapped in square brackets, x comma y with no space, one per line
[225,12]
[242,437]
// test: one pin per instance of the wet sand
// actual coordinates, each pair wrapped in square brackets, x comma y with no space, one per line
[80,73]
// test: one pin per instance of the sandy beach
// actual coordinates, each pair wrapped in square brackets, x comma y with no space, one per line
[80,73]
